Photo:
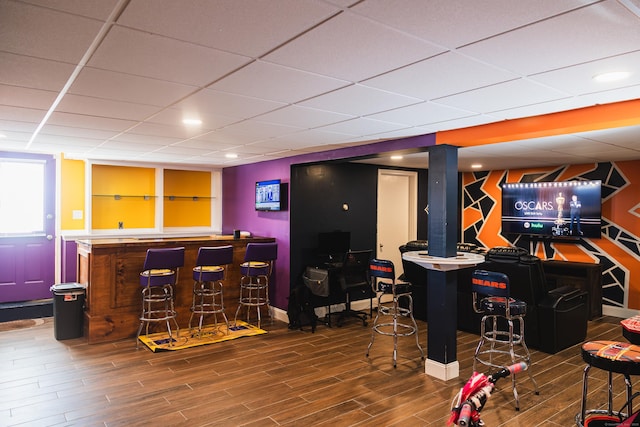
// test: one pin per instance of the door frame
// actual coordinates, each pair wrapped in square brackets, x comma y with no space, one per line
[412,229]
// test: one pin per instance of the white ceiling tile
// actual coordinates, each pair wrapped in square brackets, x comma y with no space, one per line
[205,144]
[308,139]
[359,100]
[277,83]
[600,30]
[174,116]
[19,115]
[442,75]
[351,48]
[89,122]
[363,127]
[25,97]
[125,87]
[628,136]
[501,96]
[304,117]
[64,142]
[453,23]
[154,129]
[546,107]
[105,108]
[249,27]
[144,54]
[258,129]
[610,96]
[51,34]
[210,102]
[99,9]
[8,127]
[182,150]
[91,133]
[422,114]
[578,79]
[35,73]
[129,147]
[133,139]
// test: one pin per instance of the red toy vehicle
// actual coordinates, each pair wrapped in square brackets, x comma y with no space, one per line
[465,412]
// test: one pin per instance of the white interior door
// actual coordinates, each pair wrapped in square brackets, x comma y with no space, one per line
[397,201]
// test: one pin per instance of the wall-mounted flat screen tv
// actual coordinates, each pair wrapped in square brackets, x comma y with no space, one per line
[268,196]
[570,209]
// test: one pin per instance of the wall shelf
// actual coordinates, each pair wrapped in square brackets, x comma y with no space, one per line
[194,198]
[121,196]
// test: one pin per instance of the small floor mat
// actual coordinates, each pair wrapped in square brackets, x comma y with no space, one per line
[210,334]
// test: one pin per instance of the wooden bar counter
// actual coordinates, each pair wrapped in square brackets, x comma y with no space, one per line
[110,268]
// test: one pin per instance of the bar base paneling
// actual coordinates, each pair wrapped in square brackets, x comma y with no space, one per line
[110,268]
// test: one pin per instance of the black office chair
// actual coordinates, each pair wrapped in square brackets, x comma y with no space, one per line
[354,280]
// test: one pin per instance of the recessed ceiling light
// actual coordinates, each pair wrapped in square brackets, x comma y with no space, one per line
[231,156]
[192,122]
[476,166]
[611,76]
[396,157]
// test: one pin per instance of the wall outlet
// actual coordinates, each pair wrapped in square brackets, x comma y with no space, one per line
[76,214]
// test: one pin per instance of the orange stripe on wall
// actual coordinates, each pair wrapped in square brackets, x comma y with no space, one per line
[619,114]
[623,209]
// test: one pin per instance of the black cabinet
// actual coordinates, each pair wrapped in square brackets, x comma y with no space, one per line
[579,275]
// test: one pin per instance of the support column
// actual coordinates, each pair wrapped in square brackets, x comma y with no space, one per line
[442,360]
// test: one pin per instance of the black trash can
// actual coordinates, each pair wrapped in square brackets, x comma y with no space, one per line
[68,310]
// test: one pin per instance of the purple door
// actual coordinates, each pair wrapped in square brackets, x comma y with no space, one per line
[27,226]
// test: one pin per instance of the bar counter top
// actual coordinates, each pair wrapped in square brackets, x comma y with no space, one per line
[110,268]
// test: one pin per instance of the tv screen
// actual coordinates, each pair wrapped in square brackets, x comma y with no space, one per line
[552,209]
[268,195]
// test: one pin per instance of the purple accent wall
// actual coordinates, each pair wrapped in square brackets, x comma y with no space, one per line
[238,198]
[69,259]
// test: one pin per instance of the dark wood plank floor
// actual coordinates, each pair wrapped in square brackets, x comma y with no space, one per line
[283,378]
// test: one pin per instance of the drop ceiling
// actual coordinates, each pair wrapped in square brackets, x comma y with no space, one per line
[112,80]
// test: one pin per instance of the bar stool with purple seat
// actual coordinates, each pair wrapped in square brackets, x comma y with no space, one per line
[254,283]
[208,276]
[159,276]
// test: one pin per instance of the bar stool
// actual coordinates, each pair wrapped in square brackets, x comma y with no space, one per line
[614,357]
[208,276]
[254,283]
[491,298]
[159,276]
[383,282]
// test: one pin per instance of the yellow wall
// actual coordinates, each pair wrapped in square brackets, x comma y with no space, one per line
[180,208]
[136,188]
[72,191]
[132,208]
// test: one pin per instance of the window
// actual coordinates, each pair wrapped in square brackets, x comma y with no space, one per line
[21,197]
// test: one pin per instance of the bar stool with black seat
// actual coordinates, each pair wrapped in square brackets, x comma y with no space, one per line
[159,276]
[208,277]
[391,314]
[254,281]
[613,357]
[500,343]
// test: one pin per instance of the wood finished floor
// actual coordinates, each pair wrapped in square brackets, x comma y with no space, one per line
[284,378]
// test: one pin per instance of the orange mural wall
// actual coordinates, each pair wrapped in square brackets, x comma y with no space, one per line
[618,250]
